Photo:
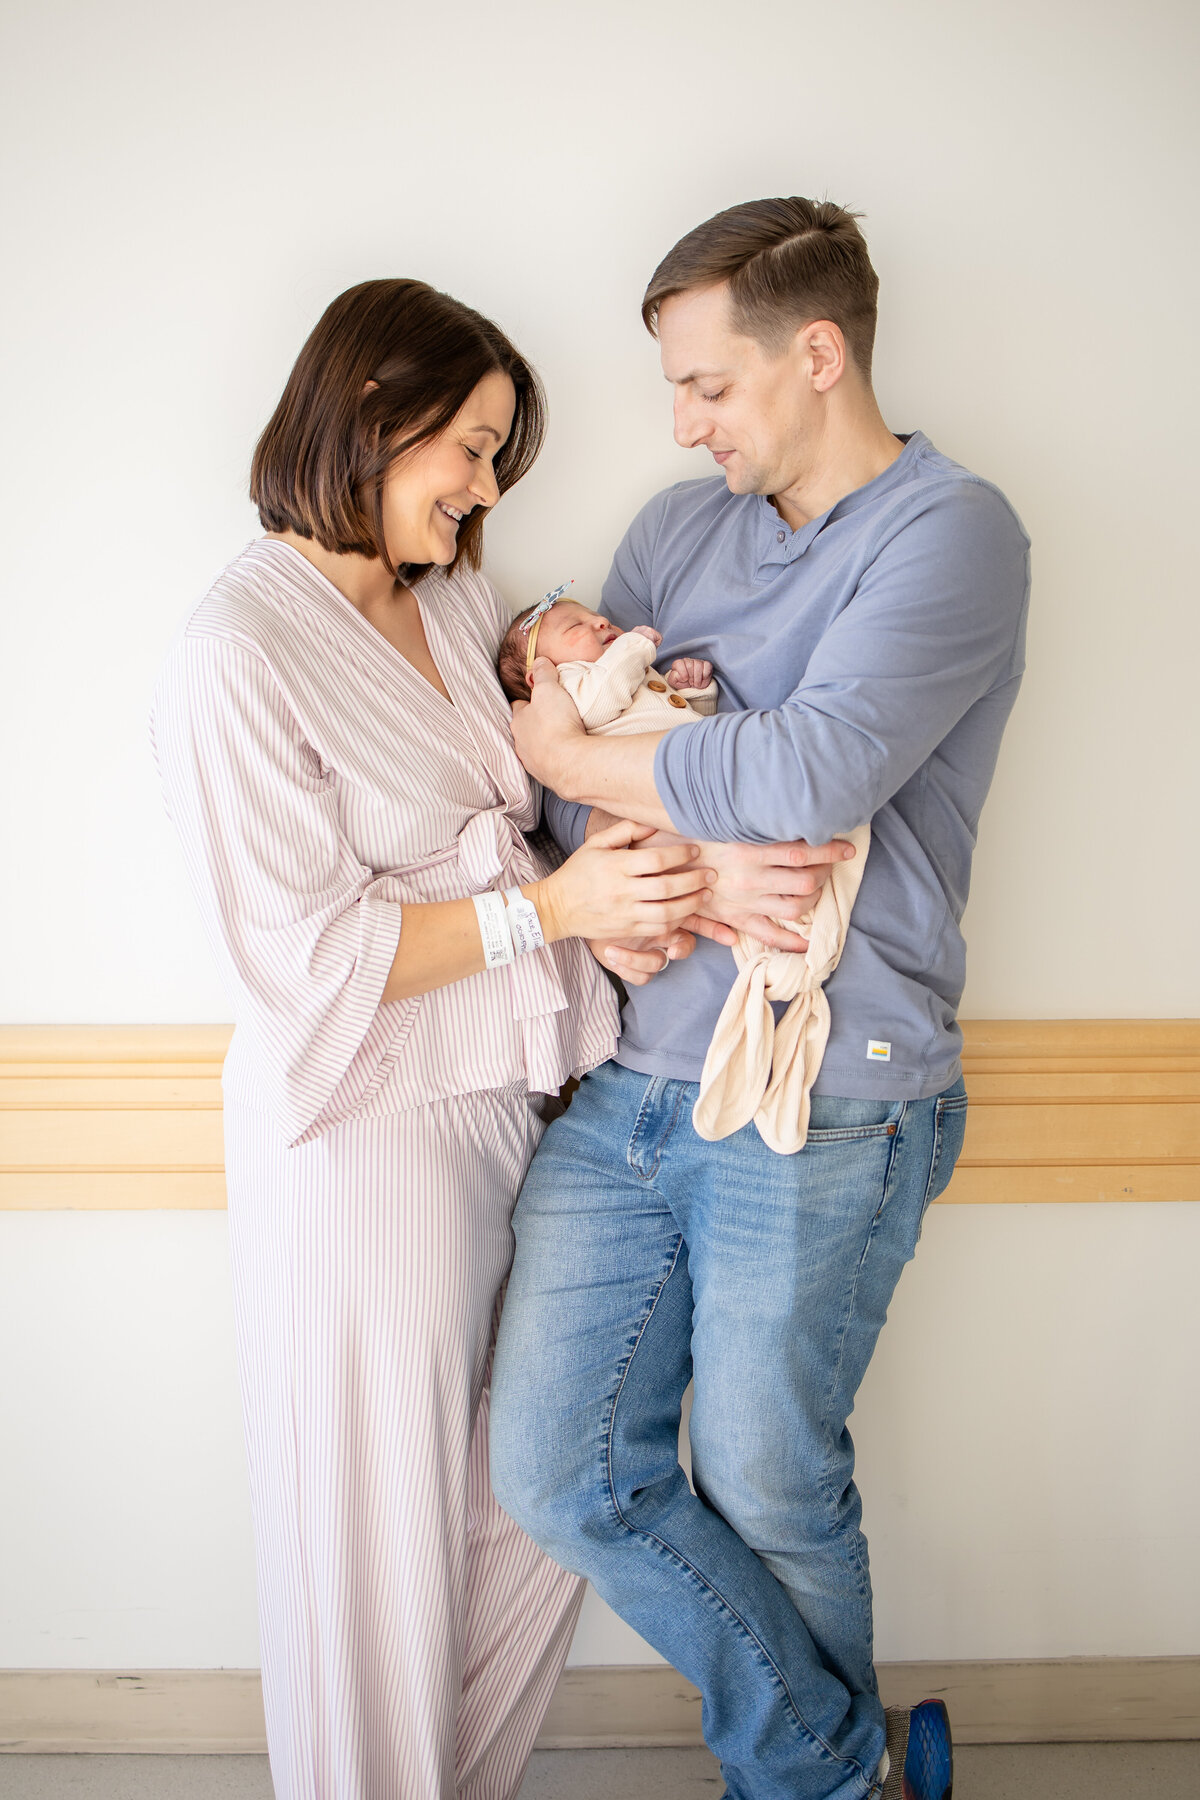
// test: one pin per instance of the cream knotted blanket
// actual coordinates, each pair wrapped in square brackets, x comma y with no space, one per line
[756,1069]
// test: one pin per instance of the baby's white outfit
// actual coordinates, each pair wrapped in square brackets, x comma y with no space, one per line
[755,1069]
[620,695]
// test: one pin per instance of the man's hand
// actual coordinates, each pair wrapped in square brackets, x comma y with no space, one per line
[639,960]
[759,883]
[547,729]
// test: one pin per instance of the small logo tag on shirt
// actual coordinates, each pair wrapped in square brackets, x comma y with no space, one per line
[877,1051]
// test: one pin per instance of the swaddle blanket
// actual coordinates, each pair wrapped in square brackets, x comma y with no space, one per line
[756,1069]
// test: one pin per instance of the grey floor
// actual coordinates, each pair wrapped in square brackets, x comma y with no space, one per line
[994,1772]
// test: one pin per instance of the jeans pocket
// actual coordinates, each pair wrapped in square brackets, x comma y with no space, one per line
[949,1130]
[833,1120]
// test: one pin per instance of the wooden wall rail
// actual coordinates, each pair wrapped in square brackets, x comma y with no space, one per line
[120,1116]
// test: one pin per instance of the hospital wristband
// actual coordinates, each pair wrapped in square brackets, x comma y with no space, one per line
[493,929]
[523,922]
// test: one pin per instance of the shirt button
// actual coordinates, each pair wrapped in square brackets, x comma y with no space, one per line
[657,687]
[779,537]
[677,700]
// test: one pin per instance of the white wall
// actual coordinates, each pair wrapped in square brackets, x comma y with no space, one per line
[186,189]
[191,185]
[1026,1443]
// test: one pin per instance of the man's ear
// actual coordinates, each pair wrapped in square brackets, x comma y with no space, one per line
[823,348]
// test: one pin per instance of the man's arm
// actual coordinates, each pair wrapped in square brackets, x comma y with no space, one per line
[937,620]
[756,884]
[557,751]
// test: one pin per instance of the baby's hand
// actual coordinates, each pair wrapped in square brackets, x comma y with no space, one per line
[689,672]
[648,631]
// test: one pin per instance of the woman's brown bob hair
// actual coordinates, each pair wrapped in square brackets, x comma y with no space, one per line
[318,467]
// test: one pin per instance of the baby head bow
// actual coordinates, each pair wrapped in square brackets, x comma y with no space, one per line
[532,625]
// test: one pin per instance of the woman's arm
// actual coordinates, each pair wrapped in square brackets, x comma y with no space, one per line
[608,888]
[310,940]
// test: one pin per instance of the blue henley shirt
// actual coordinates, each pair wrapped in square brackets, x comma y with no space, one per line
[867,664]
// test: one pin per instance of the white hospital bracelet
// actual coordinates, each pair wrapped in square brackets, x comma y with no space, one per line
[523,922]
[493,929]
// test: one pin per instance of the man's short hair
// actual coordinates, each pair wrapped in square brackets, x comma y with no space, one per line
[319,466]
[787,262]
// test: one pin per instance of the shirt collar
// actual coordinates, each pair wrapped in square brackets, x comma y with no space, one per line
[781,545]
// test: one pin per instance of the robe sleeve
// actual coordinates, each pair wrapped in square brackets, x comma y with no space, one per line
[304,933]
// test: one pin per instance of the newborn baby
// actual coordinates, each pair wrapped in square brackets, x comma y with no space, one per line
[609,674]
[758,1067]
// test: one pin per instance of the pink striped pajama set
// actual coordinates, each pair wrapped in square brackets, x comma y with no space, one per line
[411,1633]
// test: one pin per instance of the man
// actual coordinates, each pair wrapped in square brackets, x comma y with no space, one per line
[862,599]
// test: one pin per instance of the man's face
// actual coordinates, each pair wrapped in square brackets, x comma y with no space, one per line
[755,413]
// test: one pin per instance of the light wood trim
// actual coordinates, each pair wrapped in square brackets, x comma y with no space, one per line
[86,1045]
[122,1117]
[159,1712]
[109,1190]
[1070,1700]
[214,1711]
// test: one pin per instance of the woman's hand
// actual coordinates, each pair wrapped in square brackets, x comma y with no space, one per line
[755,885]
[615,888]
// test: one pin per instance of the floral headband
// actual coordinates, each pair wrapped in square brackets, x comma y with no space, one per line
[533,623]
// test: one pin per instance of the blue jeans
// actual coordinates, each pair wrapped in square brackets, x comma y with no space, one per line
[646,1257]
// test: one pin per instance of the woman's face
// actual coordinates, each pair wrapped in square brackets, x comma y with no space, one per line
[427,494]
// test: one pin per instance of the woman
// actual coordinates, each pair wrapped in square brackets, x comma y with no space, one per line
[335,751]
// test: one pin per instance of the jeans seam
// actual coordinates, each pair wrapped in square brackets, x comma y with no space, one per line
[659,1081]
[896,1141]
[826,1488]
[956,1103]
[633,1350]
[642,1113]
[690,1568]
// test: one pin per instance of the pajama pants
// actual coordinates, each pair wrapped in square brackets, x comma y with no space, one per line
[412,1635]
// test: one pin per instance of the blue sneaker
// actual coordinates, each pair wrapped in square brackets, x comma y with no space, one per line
[929,1764]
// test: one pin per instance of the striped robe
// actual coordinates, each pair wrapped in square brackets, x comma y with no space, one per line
[411,1634]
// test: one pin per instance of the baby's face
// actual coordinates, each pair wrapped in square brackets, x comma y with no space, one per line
[571,633]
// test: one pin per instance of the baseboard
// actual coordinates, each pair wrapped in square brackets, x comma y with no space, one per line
[219,1711]
[1069,1700]
[159,1712]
